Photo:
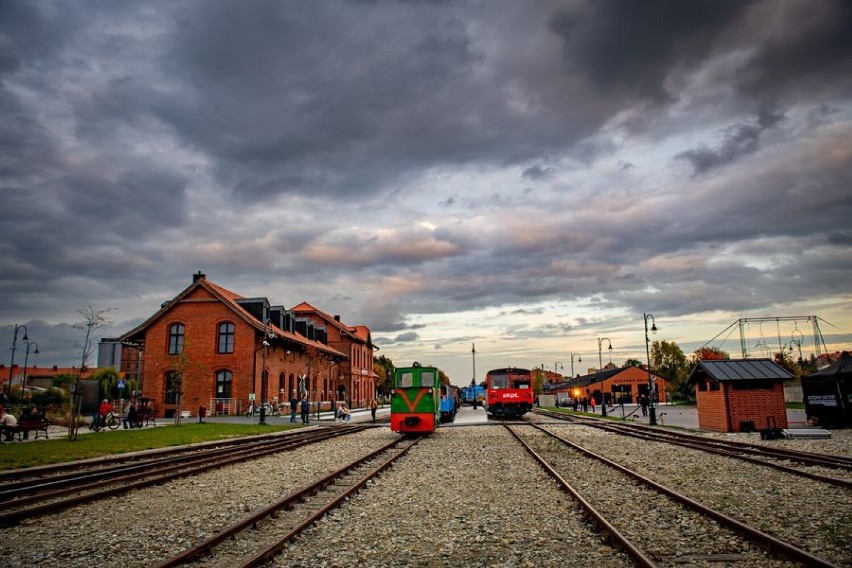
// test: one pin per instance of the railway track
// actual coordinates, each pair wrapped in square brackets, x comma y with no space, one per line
[776,458]
[259,537]
[703,534]
[30,494]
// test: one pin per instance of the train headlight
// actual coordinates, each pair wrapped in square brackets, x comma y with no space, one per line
[431,391]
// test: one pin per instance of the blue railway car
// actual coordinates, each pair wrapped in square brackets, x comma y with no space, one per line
[449,402]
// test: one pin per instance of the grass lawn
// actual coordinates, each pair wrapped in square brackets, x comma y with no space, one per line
[16,455]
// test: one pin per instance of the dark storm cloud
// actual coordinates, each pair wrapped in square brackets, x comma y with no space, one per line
[627,47]
[811,43]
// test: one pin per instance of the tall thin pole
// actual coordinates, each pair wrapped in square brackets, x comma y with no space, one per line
[652,412]
[473,380]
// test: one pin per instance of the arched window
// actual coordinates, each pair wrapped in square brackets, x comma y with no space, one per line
[226,338]
[176,336]
[223,384]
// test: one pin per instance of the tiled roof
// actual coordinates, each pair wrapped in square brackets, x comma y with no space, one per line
[742,370]
[230,298]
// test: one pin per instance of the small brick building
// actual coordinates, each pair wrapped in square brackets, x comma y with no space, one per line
[740,395]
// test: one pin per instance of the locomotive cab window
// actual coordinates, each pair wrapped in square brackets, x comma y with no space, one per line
[405,380]
[522,384]
[499,381]
[427,379]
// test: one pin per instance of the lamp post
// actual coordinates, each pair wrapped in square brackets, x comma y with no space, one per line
[473,380]
[26,362]
[652,412]
[267,334]
[600,369]
[579,360]
[14,347]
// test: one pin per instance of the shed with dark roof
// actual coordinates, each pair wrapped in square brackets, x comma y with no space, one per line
[740,395]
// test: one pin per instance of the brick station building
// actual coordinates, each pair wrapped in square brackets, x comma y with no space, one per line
[740,395]
[210,345]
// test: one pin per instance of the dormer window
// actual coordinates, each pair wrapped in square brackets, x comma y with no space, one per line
[176,337]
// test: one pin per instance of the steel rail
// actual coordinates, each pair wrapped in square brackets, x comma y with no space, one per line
[270,550]
[637,554]
[74,478]
[808,458]
[766,541]
[36,505]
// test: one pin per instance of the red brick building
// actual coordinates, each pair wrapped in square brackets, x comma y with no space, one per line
[356,379]
[740,395]
[209,346]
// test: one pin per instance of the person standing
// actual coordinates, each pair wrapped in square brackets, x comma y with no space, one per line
[131,417]
[293,405]
[643,400]
[373,406]
[592,403]
[306,409]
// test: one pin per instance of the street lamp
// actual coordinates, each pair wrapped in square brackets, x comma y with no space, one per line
[579,360]
[14,347]
[473,380]
[600,369]
[652,412]
[267,334]
[26,362]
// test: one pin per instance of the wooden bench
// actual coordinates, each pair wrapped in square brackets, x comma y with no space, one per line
[38,425]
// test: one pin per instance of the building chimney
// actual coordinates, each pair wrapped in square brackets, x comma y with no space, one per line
[337,318]
[199,276]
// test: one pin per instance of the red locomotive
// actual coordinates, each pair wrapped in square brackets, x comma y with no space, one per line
[508,392]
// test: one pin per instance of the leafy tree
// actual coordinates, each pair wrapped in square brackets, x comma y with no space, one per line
[632,363]
[63,380]
[443,378]
[710,354]
[669,362]
[107,380]
[386,375]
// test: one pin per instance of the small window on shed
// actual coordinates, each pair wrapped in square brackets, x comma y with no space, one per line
[702,386]
[757,384]
[714,385]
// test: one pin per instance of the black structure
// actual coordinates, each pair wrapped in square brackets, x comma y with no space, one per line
[828,394]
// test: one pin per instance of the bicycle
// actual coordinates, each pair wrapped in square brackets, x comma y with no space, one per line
[110,421]
[268,409]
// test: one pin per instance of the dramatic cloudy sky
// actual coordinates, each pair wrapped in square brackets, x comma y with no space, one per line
[525,176]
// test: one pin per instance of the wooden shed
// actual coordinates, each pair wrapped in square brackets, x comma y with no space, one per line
[740,395]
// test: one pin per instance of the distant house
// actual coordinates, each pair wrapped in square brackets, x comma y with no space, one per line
[740,395]
[624,384]
[209,347]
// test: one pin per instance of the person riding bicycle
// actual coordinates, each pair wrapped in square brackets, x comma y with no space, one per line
[103,410]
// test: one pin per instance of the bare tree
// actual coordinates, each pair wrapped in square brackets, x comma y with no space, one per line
[93,320]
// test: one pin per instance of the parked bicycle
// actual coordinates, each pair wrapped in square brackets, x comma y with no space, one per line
[110,421]
[268,409]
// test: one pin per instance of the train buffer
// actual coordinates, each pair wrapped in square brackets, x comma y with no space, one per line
[806,433]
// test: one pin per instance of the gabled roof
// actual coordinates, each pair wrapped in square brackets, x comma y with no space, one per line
[740,370]
[230,300]
[305,307]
